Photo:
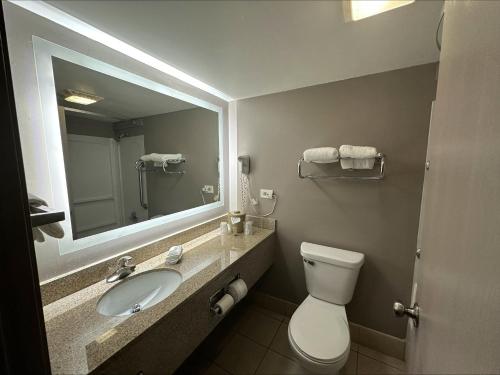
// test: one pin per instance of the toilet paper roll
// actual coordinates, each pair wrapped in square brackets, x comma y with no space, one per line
[238,290]
[224,304]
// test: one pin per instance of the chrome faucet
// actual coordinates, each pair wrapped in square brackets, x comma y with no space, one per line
[125,268]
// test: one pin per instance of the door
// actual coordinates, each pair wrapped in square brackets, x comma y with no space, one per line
[94,184]
[23,343]
[458,274]
[131,149]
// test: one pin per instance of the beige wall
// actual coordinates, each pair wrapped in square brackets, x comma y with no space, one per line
[389,110]
[193,133]
[90,127]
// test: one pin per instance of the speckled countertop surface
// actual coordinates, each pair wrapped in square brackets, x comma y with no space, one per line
[80,339]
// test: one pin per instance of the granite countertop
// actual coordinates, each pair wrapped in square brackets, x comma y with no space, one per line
[80,339]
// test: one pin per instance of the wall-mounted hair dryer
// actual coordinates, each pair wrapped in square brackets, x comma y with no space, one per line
[245,164]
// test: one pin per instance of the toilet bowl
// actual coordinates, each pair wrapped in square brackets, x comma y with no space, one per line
[318,331]
[319,335]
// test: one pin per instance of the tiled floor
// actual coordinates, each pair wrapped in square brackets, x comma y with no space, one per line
[252,340]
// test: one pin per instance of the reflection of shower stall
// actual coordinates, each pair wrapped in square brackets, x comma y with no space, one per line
[141,167]
[132,148]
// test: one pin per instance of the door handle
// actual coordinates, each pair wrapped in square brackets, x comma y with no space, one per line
[413,312]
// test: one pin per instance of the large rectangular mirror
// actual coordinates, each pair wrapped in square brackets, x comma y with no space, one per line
[132,153]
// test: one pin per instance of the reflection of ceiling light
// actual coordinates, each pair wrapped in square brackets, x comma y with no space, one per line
[360,9]
[80,97]
[76,25]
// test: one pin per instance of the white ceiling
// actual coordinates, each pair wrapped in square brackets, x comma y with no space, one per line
[251,48]
[122,100]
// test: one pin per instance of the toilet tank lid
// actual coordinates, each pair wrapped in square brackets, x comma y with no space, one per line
[332,255]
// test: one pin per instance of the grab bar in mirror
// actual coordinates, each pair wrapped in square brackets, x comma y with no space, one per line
[380,158]
[140,165]
[42,215]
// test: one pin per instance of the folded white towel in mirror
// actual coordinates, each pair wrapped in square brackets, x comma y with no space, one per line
[359,157]
[321,155]
[53,229]
[161,158]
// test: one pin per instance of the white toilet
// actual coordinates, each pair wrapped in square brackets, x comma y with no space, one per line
[318,331]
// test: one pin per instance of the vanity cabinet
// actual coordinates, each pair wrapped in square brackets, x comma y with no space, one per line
[166,344]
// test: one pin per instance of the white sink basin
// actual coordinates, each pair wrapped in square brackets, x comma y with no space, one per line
[139,292]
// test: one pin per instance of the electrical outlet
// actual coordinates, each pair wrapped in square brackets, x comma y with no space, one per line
[208,189]
[267,193]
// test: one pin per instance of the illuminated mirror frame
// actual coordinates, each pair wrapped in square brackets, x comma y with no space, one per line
[44,51]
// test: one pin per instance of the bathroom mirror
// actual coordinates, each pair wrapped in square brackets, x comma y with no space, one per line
[133,153]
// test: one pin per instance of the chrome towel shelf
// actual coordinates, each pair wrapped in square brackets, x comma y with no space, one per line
[140,165]
[379,159]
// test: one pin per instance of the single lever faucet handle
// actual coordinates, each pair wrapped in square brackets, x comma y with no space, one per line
[123,261]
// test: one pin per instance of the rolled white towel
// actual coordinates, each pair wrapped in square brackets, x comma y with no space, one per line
[359,157]
[321,155]
[357,152]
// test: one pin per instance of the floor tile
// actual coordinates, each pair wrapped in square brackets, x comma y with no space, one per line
[367,365]
[216,342]
[259,327]
[281,344]
[241,356]
[350,368]
[381,357]
[193,365]
[215,370]
[274,363]
[271,314]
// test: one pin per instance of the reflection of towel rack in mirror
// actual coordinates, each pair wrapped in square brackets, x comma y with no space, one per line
[43,215]
[141,167]
[380,159]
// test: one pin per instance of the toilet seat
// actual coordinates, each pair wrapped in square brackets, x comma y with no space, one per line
[319,331]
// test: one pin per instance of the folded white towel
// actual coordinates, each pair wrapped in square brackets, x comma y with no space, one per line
[357,163]
[321,155]
[161,158]
[174,254]
[359,157]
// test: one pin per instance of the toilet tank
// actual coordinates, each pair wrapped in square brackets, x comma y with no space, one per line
[331,273]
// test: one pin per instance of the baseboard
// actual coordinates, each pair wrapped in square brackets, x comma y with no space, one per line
[381,342]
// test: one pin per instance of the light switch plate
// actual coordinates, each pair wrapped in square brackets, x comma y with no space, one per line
[208,189]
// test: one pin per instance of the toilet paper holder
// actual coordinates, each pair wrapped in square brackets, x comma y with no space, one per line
[218,295]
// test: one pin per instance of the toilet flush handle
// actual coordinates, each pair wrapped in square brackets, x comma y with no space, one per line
[308,261]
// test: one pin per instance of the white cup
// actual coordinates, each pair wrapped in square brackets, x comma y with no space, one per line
[224,228]
[248,228]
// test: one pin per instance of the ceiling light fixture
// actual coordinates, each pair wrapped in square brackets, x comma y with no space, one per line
[358,9]
[80,97]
